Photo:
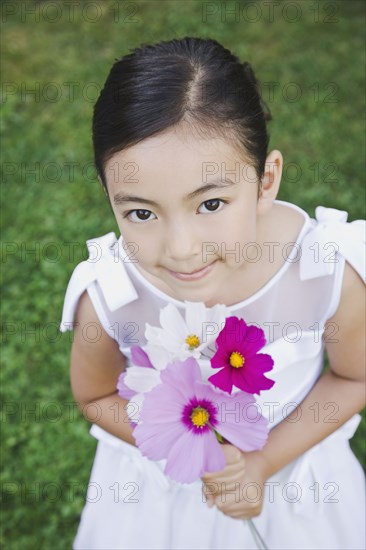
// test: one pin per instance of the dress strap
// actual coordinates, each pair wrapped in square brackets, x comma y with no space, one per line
[331,237]
[106,267]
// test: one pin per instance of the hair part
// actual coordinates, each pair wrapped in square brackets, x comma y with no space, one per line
[190,82]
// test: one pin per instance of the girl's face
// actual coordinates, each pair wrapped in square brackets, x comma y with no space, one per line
[171,202]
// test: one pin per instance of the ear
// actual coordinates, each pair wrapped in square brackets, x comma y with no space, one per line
[270,182]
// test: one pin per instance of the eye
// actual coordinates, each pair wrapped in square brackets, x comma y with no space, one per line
[213,204]
[142,216]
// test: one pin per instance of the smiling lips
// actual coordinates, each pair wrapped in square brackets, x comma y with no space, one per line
[194,275]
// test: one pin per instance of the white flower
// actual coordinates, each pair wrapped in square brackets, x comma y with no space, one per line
[141,379]
[177,339]
[159,355]
[181,338]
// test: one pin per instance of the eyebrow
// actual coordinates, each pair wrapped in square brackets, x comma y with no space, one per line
[120,198]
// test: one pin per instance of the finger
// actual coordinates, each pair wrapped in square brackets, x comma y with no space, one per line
[239,514]
[232,453]
[227,485]
[210,492]
[228,470]
[237,509]
[234,472]
[233,467]
[223,491]
[230,509]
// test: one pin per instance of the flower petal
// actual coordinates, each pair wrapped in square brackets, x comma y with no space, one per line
[255,385]
[159,356]
[218,313]
[220,359]
[254,340]
[222,380]
[141,379]
[215,318]
[261,362]
[200,320]
[182,375]
[139,357]
[188,467]
[214,460]
[232,334]
[203,390]
[247,379]
[123,390]
[195,317]
[172,322]
[164,338]
[134,407]
[240,422]
[163,404]
[155,441]
[250,377]
[152,334]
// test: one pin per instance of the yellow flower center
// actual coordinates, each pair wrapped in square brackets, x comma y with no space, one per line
[193,341]
[199,417]
[236,360]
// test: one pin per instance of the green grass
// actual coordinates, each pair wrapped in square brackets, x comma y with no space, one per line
[51,445]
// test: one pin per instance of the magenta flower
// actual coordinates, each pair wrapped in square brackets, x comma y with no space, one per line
[238,358]
[181,416]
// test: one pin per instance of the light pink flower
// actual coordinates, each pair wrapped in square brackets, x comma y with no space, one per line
[179,419]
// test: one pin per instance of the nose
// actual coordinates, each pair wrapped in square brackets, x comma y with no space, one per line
[182,246]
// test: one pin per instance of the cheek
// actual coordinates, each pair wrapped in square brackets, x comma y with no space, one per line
[236,229]
[233,238]
[144,244]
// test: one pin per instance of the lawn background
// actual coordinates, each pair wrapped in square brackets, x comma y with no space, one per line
[46,446]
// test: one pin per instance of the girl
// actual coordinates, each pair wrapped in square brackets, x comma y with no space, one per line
[181,151]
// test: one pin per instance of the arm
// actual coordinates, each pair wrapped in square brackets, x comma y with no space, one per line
[343,385]
[94,370]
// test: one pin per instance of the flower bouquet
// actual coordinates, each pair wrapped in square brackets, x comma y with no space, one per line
[175,411]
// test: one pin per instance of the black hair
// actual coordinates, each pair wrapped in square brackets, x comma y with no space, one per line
[190,80]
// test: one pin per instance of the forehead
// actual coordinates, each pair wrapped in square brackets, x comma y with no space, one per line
[170,155]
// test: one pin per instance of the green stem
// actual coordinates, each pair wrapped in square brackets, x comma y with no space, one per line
[219,437]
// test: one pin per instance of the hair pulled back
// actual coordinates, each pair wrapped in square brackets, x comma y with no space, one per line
[192,80]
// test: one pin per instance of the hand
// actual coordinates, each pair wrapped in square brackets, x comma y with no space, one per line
[238,489]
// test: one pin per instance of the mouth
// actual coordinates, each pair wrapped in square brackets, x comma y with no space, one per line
[194,275]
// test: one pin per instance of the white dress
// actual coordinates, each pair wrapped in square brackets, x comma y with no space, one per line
[315,502]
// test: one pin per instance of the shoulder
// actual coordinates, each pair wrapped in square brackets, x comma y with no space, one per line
[330,236]
[89,331]
[85,311]
[105,267]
